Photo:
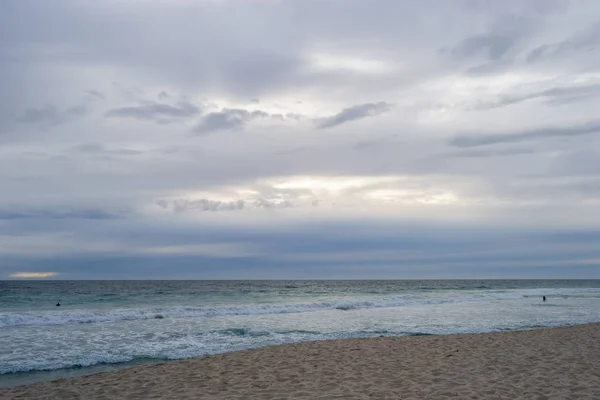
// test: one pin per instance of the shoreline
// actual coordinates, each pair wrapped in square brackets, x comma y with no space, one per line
[23,378]
[537,363]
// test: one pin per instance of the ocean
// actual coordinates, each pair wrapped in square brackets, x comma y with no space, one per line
[106,325]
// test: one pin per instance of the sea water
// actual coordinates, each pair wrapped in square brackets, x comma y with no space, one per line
[104,325]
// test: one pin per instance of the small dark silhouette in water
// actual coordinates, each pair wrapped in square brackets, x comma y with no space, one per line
[57,304]
[543,298]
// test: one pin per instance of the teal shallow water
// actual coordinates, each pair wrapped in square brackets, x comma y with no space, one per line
[109,324]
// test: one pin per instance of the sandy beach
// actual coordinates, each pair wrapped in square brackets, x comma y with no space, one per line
[557,363]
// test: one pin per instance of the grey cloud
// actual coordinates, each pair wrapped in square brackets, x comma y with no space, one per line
[50,115]
[95,214]
[158,112]
[266,69]
[124,152]
[89,148]
[570,189]
[489,68]
[561,95]
[47,114]
[474,140]
[96,94]
[578,161]
[36,154]
[490,153]
[355,112]
[269,203]
[315,247]
[76,111]
[287,116]
[295,57]
[180,206]
[97,148]
[227,119]
[130,93]
[274,59]
[585,41]
[184,205]
[294,150]
[494,46]
[375,143]
[555,96]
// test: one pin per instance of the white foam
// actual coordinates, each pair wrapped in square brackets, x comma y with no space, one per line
[29,348]
[83,316]
[162,347]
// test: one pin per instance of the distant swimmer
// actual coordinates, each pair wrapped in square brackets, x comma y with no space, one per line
[543,298]
[58,304]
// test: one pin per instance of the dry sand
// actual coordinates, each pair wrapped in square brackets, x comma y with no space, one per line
[558,363]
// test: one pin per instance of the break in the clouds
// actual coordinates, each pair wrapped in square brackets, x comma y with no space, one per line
[238,139]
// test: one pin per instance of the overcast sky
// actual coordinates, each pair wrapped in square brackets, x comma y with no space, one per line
[299,139]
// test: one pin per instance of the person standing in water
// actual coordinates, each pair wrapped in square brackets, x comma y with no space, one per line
[543,298]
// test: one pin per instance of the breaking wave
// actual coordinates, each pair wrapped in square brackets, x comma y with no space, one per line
[88,316]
